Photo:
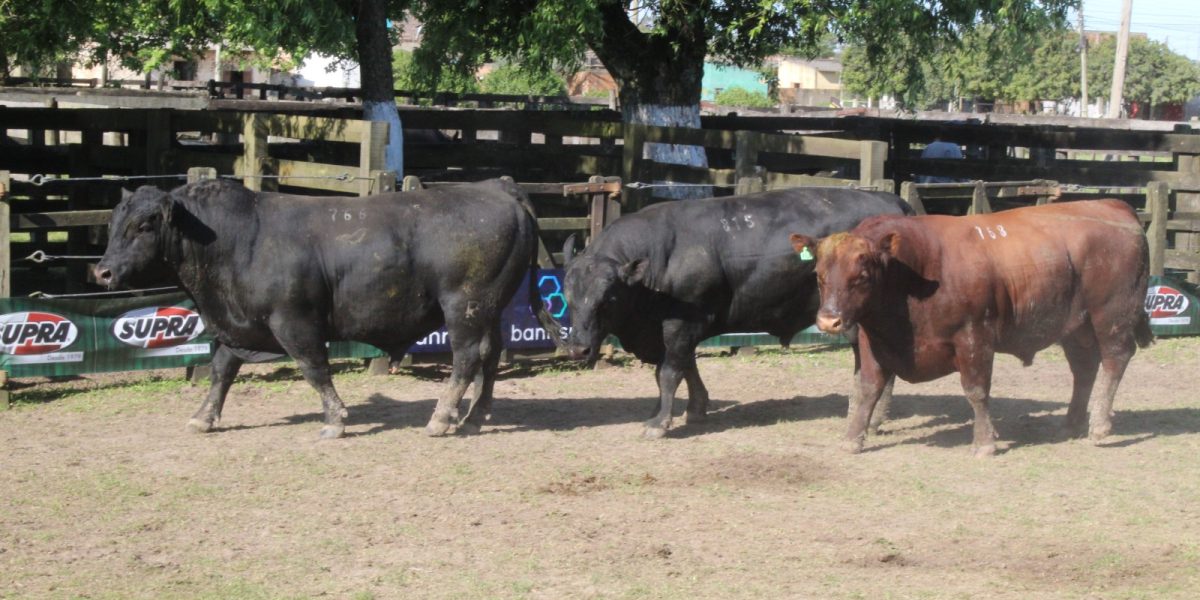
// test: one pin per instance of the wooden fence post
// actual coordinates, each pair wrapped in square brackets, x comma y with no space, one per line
[912,195]
[195,174]
[603,209]
[631,162]
[1158,204]
[383,182]
[371,155]
[871,162]
[746,146]
[158,142]
[254,139]
[5,268]
[411,182]
[979,200]
[1188,201]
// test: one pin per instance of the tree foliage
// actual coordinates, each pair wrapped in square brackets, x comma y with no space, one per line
[1153,73]
[660,58]
[1042,67]
[510,78]
[738,96]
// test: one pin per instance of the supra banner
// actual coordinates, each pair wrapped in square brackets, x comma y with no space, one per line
[1171,304]
[69,336]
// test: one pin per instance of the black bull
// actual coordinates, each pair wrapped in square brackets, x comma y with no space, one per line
[277,273]
[664,279]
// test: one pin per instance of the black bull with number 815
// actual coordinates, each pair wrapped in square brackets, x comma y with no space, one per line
[664,279]
[275,273]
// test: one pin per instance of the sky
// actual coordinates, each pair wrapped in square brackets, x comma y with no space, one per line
[1175,22]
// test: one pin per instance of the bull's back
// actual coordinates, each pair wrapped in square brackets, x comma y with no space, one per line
[1038,273]
[733,256]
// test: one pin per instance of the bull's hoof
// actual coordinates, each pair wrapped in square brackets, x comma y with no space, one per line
[1074,431]
[332,432]
[469,429]
[985,451]
[1099,432]
[694,417]
[653,433]
[437,428]
[198,426]
[852,446]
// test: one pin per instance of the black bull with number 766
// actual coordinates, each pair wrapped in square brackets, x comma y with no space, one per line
[276,273]
[665,278]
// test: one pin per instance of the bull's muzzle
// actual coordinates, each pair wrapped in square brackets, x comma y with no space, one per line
[577,352]
[830,323]
[103,275]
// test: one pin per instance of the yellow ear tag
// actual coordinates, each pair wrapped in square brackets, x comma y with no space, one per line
[805,255]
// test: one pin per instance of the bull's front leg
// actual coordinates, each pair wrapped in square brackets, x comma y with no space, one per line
[880,413]
[976,376]
[307,347]
[669,375]
[225,367]
[697,408]
[871,380]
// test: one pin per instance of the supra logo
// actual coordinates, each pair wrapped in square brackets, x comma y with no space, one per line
[35,332]
[1163,301]
[158,327]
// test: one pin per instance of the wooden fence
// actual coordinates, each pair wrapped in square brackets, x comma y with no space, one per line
[68,172]
[978,197]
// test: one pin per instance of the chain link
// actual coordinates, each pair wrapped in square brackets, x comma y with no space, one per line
[40,180]
[40,256]
[101,294]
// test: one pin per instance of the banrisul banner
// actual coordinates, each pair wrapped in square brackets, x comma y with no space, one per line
[69,336]
[1172,306]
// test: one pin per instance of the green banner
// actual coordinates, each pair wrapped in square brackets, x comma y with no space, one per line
[1171,304]
[70,336]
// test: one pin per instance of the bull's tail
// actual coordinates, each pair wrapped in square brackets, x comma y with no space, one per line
[536,305]
[1141,330]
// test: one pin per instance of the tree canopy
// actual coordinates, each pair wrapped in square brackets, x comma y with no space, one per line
[1043,67]
[656,52]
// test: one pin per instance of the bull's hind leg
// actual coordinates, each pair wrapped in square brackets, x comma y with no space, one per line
[976,377]
[225,367]
[1115,351]
[465,342]
[485,382]
[1084,358]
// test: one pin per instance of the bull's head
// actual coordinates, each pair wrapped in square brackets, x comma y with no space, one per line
[135,255]
[597,287]
[850,271]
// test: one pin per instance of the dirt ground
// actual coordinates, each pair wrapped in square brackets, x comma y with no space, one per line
[103,494]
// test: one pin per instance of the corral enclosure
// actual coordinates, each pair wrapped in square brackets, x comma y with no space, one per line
[105,496]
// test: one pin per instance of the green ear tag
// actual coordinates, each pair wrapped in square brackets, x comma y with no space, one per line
[805,255]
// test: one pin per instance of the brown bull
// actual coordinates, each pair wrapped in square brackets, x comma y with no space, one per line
[934,294]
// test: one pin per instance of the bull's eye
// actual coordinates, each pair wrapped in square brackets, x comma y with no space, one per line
[145,227]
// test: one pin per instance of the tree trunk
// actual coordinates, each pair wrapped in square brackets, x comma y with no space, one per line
[659,79]
[375,74]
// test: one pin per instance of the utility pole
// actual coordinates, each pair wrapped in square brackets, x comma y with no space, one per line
[1118,80]
[1083,84]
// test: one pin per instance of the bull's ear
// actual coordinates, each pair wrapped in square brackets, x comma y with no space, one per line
[890,244]
[634,271]
[569,249]
[805,247]
[125,194]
